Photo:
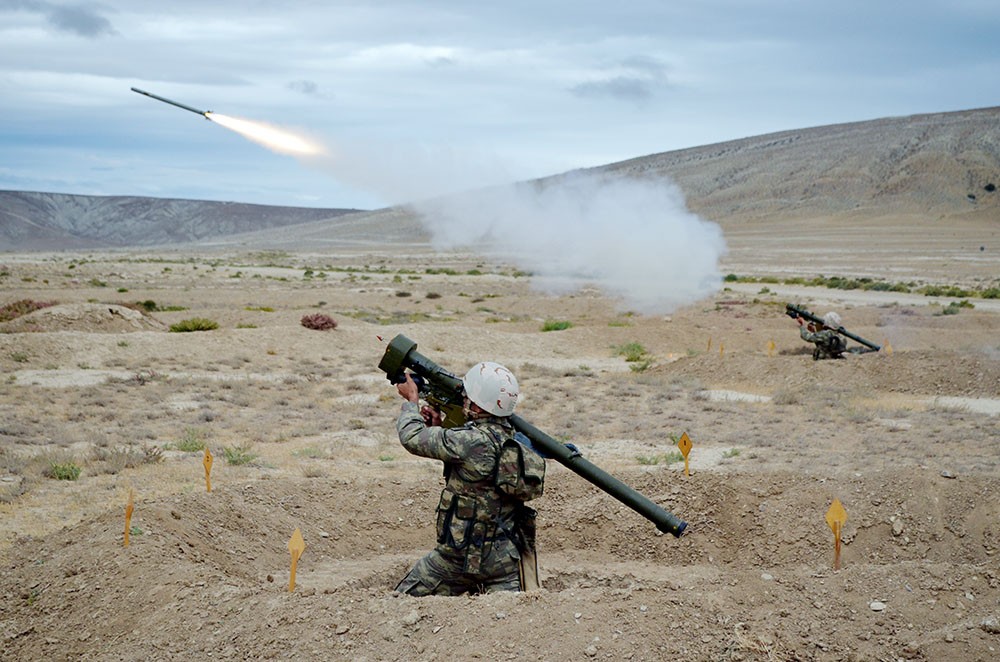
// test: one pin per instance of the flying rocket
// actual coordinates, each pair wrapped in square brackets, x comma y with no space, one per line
[203,113]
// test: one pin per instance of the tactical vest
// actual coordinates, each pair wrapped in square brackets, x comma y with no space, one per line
[472,515]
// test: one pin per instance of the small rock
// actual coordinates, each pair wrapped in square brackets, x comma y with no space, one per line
[991,625]
[949,638]
[590,651]
[577,616]
[947,474]
[342,629]
[897,527]
[324,534]
[500,615]
[876,605]
[767,577]
[411,618]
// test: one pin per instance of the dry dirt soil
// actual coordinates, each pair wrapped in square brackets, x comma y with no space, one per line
[300,425]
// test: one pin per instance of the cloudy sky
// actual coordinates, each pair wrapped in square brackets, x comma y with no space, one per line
[410,97]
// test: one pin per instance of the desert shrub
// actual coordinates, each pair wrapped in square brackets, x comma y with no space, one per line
[402,293]
[991,293]
[640,366]
[114,460]
[239,454]
[433,295]
[954,307]
[15,309]
[194,324]
[318,322]
[191,441]
[556,325]
[632,351]
[62,471]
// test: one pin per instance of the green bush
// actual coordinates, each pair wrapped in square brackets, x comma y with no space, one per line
[194,324]
[191,442]
[63,471]
[632,351]
[238,455]
[556,325]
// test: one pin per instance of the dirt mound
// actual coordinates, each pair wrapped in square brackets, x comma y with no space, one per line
[207,574]
[86,317]
[918,372]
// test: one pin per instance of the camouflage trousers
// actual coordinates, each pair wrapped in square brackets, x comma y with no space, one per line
[442,572]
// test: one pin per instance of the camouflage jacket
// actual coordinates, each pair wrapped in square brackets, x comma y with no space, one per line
[471,513]
[829,345]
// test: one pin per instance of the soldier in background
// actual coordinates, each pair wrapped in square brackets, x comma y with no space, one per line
[829,344]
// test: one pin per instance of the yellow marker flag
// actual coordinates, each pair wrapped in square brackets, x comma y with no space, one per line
[836,517]
[684,444]
[128,514]
[208,469]
[296,546]
[770,348]
[722,350]
[709,348]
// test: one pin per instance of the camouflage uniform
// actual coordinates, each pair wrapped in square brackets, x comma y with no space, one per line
[476,526]
[829,345]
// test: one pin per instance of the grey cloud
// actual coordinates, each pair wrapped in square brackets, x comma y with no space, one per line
[306,87]
[639,78]
[79,19]
[619,87]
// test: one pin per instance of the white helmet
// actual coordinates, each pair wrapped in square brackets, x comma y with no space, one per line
[492,387]
[831,320]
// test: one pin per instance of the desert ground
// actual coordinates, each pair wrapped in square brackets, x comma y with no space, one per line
[300,423]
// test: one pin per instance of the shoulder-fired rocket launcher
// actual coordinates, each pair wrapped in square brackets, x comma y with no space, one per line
[444,391]
[795,311]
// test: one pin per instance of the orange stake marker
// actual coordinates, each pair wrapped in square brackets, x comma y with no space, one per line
[684,444]
[128,514]
[836,516]
[208,469]
[709,348]
[296,546]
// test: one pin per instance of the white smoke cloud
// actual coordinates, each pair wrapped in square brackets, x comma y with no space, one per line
[634,239]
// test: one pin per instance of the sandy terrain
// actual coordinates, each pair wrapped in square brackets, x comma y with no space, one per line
[906,439]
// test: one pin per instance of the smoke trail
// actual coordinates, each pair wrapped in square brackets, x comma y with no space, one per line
[635,239]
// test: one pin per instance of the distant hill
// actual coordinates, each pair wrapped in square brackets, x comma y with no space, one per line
[935,164]
[31,221]
[932,168]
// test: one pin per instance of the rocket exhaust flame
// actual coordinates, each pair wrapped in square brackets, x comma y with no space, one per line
[272,137]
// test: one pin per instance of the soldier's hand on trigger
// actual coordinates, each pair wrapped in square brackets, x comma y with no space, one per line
[432,417]
[408,389]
